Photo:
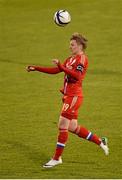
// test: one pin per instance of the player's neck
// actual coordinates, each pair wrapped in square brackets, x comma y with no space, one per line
[78,53]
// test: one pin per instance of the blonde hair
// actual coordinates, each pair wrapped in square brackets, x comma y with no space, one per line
[80,39]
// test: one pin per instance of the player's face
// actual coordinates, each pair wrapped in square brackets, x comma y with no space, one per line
[75,48]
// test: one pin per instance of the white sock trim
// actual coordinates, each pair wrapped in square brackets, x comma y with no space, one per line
[88,136]
[60,144]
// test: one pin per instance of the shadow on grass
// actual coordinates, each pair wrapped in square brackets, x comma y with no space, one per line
[17,62]
[12,61]
[90,71]
[38,156]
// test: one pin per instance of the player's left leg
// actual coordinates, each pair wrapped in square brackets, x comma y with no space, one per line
[82,132]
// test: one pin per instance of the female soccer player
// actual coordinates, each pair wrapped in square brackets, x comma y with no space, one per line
[74,69]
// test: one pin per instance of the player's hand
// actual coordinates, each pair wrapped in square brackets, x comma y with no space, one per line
[30,68]
[56,62]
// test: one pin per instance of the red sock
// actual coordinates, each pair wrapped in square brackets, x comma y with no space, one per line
[84,133]
[62,138]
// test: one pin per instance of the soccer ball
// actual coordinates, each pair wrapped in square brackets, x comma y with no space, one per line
[62,18]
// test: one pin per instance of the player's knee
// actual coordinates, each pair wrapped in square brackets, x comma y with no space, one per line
[63,123]
[72,128]
[73,125]
[76,129]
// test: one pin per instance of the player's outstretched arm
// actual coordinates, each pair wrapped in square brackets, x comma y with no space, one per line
[48,70]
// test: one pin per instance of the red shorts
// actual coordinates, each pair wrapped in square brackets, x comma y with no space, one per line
[70,107]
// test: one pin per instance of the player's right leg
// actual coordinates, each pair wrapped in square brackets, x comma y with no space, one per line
[61,142]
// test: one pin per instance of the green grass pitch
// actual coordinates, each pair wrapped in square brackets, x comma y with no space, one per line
[30,103]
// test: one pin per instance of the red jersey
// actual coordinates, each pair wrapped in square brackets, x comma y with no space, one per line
[73,82]
[74,68]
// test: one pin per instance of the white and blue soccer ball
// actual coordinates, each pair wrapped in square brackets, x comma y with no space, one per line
[62,18]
